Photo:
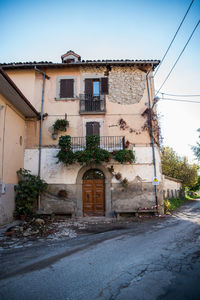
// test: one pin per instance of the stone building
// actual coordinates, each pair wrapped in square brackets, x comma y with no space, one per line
[109,98]
[172,187]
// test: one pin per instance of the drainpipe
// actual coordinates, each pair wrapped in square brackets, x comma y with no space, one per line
[152,140]
[41,124]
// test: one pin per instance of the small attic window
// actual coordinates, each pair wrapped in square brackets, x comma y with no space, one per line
[70,57]
[70,60]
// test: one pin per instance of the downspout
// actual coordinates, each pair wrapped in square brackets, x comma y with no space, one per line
[152,140]
[41,124]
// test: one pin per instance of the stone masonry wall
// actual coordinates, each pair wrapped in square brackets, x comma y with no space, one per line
[126,85]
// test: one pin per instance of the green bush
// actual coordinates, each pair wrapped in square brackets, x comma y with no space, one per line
[60,125]
[27,191]
[91,154]
[166,206]
[66,155]
[88,156]
[124,156]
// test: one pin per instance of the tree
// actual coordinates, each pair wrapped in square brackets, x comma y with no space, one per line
[196,149]
[179,168]
[196,187]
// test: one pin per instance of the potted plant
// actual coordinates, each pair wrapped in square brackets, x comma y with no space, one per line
[60,125]
[118,176]
[124,182]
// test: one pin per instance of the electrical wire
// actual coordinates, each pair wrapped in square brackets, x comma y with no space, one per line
[179,100]
[178,57]
[174,37]
[176,95]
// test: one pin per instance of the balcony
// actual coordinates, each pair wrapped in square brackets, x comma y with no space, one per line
[90,104]
[109,143]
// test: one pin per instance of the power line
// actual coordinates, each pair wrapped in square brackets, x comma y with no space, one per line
[178,57]
[176,95]
[174,37]
[179,100]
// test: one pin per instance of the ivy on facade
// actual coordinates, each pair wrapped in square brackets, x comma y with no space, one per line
[91,154]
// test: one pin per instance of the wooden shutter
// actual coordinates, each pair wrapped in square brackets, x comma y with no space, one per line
[89,128]
[88,87]
[67,88]
[96,130]
[92,128]
[104,85]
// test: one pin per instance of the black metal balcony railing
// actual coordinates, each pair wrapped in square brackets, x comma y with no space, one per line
[109,143]
[90,103]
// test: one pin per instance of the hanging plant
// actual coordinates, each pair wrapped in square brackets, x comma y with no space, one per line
[60,125]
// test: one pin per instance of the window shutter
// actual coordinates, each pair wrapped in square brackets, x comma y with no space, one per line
[96,128]
[67,88]
[88,87]
[92,128]
[89,128]
[104,85]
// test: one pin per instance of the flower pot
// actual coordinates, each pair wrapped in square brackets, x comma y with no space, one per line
[118,176]
[54,136]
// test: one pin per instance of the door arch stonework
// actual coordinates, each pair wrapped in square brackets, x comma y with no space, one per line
[79,182]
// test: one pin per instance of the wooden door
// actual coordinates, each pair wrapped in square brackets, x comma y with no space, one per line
[93,197]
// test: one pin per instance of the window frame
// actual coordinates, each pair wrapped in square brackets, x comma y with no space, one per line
[58,79]
[98,120]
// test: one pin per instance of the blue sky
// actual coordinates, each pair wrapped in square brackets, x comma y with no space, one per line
[142,29]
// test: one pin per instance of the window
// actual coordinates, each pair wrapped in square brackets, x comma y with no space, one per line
[97,86]
[92,128]
[66,87]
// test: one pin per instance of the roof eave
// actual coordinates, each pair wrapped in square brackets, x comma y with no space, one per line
[13,92]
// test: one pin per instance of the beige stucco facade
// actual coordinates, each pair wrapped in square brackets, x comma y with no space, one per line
[12,133]
[15,110]
[127,99]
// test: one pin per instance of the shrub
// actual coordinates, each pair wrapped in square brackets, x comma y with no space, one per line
[60,125]
[27,191]
[65,155]
[124,156]
[91,154]
[88,156]
[166,206]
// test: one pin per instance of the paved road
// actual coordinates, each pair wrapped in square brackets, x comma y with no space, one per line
[157,259]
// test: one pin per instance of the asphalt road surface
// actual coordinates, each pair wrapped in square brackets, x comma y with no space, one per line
[155,259]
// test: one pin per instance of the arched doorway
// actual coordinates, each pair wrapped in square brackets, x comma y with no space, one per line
[93,193]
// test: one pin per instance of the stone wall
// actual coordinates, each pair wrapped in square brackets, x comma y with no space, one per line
[171,187]
[136,195]
[126,85]
[59,199]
